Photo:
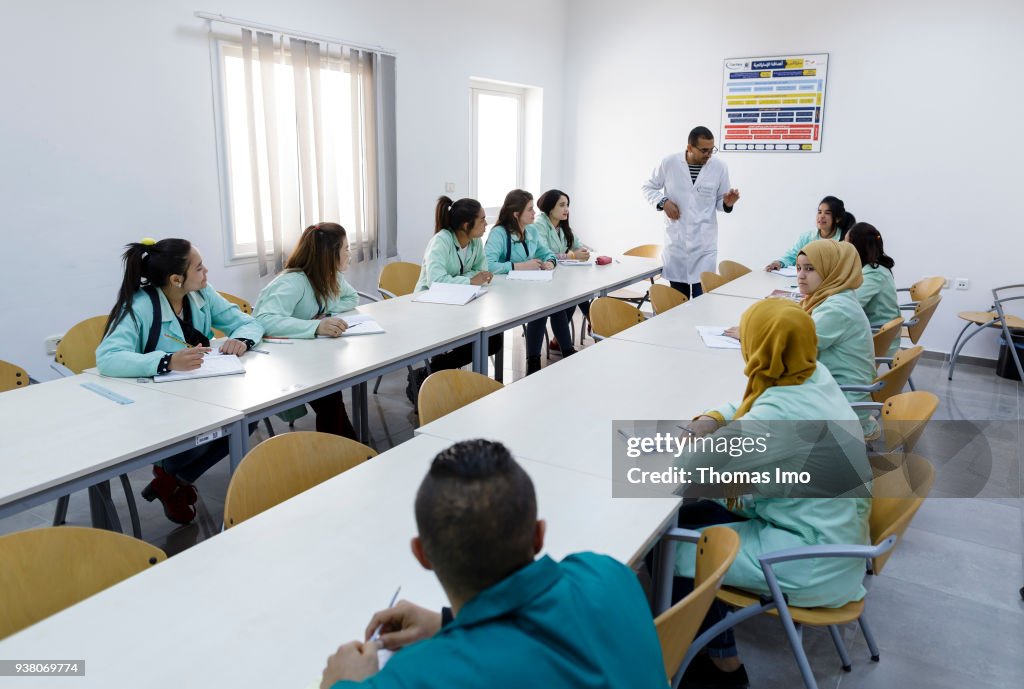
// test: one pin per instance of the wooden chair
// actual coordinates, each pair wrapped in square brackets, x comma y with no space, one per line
[923,312]
[629,294]
[47,570]
[995,317]
[664,298]
[710,281]
[610,316]
[281,467]
[922,289]
[242,304]
[445,391]
[897,494]
[398,279]
[12,377]
[904,417]
[892,381]
[731,270]
[886,335]
[716,549]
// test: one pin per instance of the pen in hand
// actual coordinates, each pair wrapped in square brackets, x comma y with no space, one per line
[394,598]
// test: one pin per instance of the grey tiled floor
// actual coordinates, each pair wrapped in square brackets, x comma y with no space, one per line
[945,611]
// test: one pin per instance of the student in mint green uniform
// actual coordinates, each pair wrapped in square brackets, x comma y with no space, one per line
[515,244]
[552,225]
[305,301]
[828,273]
[784,384]
[833,222]
[877,296]
[516,620]
[170,276]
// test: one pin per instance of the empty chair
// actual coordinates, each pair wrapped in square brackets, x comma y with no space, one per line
[286,465]
[630,294]
[922,289]
[610,316]
[664,298]
[710,281]
[47,570]
[731,270]
[398,279]
[995,317]
[445,391]
[886,335]
[12,377]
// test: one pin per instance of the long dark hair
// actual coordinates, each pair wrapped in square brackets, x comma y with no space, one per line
[147,264]
[868,243]
[546,202]
[842,219]
[515,202]
[318,256]
[453,216]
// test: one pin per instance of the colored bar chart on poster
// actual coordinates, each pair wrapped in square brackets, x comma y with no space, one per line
[774,103]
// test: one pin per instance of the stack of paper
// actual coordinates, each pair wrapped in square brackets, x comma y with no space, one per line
[714,337]
[789,272]
[360,324]
[214,364]
[531,275]
[450,293]
[574,262]
[786,294]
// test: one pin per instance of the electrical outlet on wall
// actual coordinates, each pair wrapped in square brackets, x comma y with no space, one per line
[51,343]
[449,187]
[962,283]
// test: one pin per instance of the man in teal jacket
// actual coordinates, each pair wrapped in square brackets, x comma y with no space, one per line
[518,621]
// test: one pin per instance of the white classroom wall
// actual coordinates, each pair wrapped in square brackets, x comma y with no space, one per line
[920,136]
[107,132]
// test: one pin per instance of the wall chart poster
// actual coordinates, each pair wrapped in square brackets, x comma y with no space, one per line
[774,103]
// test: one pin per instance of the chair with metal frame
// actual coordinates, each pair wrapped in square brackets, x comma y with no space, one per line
[664,298]
[922,289]
[995,317]
[396,280]
[885,335]
[731,270]
[710,281]
[13,377]
[610,316]
[445,391]
[628,294]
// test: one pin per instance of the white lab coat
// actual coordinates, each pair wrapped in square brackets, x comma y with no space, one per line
[691,243]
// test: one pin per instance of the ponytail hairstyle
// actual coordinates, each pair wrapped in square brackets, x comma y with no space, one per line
[318,256]
[515,202]
[546,202]
[147,263]
[454,217]
[868,243]
[842,220]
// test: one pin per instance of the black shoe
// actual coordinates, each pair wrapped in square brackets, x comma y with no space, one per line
[702,673]
[532,364]
[413,383]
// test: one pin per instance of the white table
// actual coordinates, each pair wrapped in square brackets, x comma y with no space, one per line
[677,328]
[59,437]
[756,284]
[265,603]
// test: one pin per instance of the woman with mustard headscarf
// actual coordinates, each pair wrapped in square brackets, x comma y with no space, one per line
[784,385]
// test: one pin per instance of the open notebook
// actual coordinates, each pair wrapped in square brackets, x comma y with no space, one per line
[450,293]
[214,364]
[715,338]
[360,324]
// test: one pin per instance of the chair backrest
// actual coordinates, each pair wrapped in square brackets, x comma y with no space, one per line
[926,287]
[896,377]
[710,281]
[897,495]
[922,314]
[644,251]
[398,278]
[12,377]
[610,316]
[664,298]
[47,570]
[883,339]
[77,349]
[445,391]
[677,626]
[731,270]
[242,304]
[285,465]
[904,417]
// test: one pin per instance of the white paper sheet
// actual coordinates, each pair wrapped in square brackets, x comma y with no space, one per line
[214,364]
[789,272]
[714,339]
[531,275]
[449,293]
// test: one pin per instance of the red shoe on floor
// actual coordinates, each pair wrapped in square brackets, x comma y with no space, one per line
[173,499]
[191,492]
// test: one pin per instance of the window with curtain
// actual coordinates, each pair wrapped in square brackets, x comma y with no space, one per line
[307,133]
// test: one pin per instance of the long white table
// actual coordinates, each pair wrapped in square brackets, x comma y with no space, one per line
[677,328]
[756,284]
[266,602]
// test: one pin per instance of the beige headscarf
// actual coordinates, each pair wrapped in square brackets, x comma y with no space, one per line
[838,263]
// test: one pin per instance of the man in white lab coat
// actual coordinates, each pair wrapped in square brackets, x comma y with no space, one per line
[689,188]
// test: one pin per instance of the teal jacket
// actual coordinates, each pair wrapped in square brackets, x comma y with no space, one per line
[120,352]
[581,622]
[500,263]
[777,523]
[789,259]
[877,296]
[442,262]
[553,236]
[287,306]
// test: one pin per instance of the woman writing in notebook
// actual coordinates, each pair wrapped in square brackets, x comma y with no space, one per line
[832,222]
[515,244]
[162,321]
[877,296]
[303,302]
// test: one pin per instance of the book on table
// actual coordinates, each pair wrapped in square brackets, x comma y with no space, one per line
[450,293]
[214,364]
[359,324]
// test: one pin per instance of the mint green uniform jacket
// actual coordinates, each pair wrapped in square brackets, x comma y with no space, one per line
[535,247]
[442,263]
[776,523]
[789,259]
[581,622]
[877,296]
[553,236]
[287,306]
[120,352]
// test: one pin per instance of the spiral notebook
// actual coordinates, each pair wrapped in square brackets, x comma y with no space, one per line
[214,364]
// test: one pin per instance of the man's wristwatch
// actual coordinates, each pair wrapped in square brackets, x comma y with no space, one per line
[661,204]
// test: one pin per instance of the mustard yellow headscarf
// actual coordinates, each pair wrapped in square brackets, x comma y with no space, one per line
[780,346]
[838,263]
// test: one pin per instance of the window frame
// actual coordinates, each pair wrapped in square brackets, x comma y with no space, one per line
[518,93]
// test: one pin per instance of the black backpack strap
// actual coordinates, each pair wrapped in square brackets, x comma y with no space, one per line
[508,245]
[154,328]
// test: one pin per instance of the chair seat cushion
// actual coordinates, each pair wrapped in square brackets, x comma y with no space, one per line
[815,617]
